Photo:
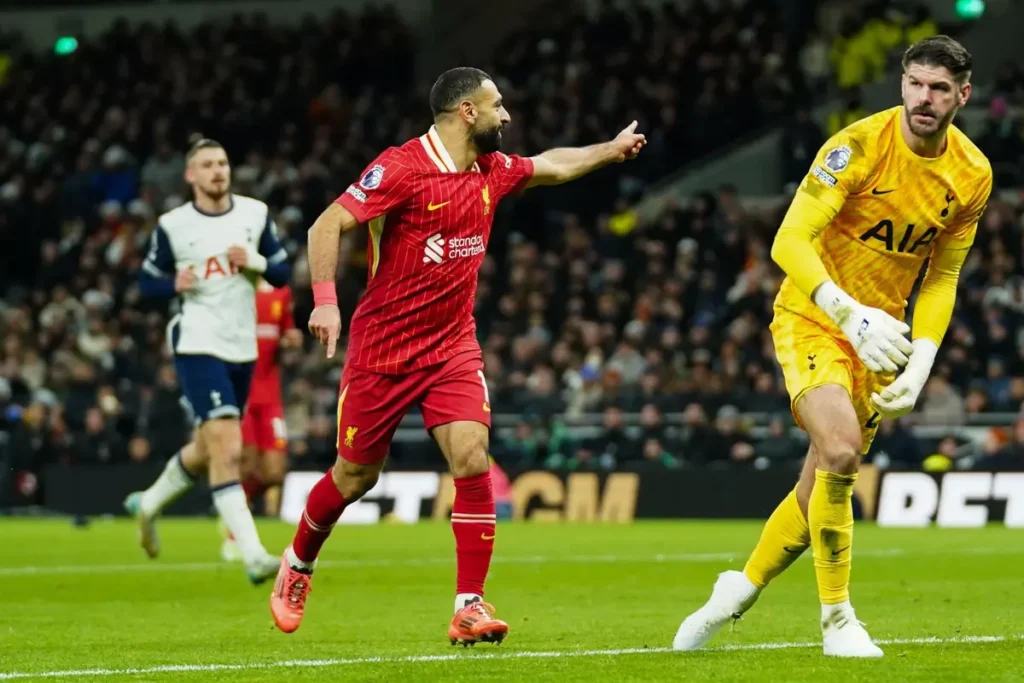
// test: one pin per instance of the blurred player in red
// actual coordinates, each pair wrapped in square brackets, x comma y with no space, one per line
[264,436]
[429,205]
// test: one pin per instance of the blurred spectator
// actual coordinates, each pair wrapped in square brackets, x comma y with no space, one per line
[895,446]
[941,403]
[1002,143]
[524,448]
[779,446]
[1010,456]
[801,139]
[730,440]
[849,112]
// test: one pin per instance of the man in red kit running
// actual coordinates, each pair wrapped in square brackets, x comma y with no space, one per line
[264,438]
[429,205]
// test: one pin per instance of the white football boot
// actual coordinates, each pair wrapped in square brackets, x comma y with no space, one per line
[732,595]
[147,525]
[843,635]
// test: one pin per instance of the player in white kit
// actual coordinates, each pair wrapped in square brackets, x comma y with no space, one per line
[210,253]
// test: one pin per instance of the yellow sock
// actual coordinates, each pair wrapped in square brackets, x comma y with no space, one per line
[784,538]
[830,514]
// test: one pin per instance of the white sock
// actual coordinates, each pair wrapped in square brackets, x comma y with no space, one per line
[463,599]
[296,563]
[171,483]
[828,610]
[234,510]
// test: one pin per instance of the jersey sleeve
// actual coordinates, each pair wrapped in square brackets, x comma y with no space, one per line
[278,269]
[156,279]
[841,168]
[383,187]
[160,258]
[510,172]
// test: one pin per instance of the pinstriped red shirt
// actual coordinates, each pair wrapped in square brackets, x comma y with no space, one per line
[429,227]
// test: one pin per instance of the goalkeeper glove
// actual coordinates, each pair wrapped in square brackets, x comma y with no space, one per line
[898,399]
[877,337]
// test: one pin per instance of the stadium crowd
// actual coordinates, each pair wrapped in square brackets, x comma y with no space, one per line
[583,309]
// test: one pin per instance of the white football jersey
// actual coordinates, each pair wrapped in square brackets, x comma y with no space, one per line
[218,317]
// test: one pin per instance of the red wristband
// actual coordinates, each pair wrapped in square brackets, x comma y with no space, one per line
[324,294]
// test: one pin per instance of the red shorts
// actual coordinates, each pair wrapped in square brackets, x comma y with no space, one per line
[263,427]
[371,405]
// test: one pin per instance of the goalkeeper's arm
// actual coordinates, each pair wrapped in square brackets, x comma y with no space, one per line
[877,336]
[931,319]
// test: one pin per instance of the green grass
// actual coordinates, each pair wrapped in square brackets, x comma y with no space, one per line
[78,599]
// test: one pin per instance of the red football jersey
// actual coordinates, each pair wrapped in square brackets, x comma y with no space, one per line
[429,226]
[274,317]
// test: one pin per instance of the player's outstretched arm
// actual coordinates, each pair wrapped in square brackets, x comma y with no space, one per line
[324,242]
[560,165]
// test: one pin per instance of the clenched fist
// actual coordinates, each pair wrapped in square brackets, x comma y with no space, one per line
[185,280]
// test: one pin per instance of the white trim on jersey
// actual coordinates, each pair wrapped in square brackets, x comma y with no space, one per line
[442,158]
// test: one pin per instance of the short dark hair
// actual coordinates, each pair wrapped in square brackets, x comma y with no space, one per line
[201,143]
[454,85]
[941,51]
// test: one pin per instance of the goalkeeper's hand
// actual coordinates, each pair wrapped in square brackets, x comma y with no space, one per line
[878,338]
[898,399]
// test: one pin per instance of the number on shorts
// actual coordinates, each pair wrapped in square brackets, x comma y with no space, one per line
[483,381]
[280,432]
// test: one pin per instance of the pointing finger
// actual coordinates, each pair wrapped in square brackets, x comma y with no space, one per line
[631,127]
[332,340]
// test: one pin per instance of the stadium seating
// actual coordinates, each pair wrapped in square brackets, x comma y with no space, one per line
[655,346]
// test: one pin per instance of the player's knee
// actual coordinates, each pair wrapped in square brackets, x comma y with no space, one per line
[223,442]
[354,480]
[470,461]
[274,466]
[840,452]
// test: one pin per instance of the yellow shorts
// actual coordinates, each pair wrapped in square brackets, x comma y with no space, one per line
[811,356]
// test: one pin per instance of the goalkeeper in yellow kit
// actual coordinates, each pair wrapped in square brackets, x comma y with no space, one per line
[882,196]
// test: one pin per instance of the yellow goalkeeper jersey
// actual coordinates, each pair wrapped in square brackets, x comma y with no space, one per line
[890,210]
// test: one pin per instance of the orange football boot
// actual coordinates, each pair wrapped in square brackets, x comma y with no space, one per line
[288,599]
[475,623]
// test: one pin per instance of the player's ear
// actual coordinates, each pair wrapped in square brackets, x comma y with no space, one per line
[468,110]
[965,93]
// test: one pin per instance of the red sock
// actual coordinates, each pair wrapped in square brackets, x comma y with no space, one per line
[323,508]
[473,523]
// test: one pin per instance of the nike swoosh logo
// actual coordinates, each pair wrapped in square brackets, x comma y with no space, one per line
[795,551]
[434,207]
[486,537]
[835,553]
[877,191]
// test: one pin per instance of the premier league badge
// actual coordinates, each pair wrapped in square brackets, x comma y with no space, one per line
[838,159]
[371,179]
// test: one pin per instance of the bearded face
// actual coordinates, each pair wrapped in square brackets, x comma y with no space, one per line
[486,136]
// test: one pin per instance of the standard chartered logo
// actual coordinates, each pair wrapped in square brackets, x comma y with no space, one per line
[434,250]
[437,249]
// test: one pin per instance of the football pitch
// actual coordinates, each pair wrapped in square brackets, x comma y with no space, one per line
[584,602]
